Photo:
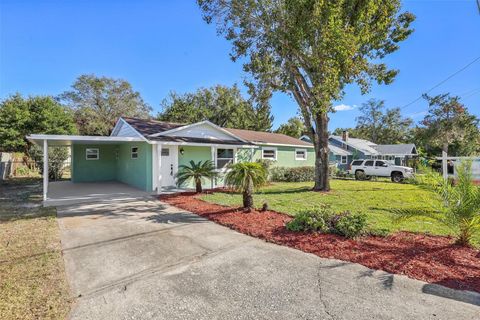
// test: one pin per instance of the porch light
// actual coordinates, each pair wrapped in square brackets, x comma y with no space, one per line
[182,151]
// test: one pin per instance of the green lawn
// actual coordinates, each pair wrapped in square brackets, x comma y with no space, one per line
[375,199]
[32,276]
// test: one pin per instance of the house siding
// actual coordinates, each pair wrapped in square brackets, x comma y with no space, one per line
[286,156]
[114,164]
[135,172]
[195,153]
[103,169]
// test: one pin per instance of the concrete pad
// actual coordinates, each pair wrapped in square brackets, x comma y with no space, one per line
[62,193]
[147,260]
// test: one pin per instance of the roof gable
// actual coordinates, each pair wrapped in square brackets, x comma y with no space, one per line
[203,130]
[148,127]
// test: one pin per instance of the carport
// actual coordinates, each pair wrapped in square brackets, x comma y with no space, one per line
[103,176]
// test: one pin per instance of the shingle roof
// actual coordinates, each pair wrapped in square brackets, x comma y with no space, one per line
[149,127]
[338,151]
[260,137]
[198,140]
[363,145]
[396,149]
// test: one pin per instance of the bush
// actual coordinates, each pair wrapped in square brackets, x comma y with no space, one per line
[315,219]
[57,156]
[323,219]
[349,225]
[296,174]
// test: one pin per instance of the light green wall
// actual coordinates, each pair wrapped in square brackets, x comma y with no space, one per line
[115,163]
[103,169]
[196,154]
[135,172]
[285,156]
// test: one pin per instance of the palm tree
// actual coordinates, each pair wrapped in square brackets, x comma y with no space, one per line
[196,171]
[245,177]
[459,207]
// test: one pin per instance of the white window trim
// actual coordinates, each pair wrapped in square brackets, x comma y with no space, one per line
[341,159]
[271,149]
[217,158]
[131,153]
[301,159]
[98,154]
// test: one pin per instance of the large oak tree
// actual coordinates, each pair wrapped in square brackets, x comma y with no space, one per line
[311,49]
[98,102]
[222,105]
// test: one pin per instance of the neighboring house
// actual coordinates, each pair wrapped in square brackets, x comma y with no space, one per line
[147,154]
[343,150]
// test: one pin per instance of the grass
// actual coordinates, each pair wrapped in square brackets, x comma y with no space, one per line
[374,199]
[32,276]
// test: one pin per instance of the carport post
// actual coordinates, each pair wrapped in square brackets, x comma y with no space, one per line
[45,169]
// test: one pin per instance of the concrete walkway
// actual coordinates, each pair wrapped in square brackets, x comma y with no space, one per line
[144,259]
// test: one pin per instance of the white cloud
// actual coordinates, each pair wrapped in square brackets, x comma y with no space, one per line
[343,107]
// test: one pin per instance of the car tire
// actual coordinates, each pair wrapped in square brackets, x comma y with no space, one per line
[360,175]
[397,177]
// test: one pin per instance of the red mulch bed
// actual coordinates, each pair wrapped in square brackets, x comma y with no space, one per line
[431,259]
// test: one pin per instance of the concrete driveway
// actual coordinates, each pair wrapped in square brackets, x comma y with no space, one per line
[146,260]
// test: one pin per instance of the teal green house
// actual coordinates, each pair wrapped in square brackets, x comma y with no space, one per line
[147,154]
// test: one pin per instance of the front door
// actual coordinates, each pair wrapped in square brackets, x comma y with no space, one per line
[168,169]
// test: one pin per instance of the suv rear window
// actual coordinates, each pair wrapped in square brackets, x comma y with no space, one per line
[357,163]
[369,163]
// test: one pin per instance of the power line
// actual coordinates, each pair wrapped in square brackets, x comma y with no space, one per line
[442,82]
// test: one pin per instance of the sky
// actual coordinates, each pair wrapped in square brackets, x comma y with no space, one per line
[163,46]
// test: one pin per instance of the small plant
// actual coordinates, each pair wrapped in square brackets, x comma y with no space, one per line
[323,219]
[196,171]
[246,177]
[349,225]
[460,203]
[316,219]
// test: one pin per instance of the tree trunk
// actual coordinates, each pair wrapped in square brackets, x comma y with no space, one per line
[198,185]
[445,147]
[247,196]
[321,153]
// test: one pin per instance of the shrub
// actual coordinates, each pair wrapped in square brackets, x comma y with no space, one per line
[349,225]
[323,219]
[315,219]
[296,174]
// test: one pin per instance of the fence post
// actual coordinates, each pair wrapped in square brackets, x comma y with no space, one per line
[444,165]
[45,169]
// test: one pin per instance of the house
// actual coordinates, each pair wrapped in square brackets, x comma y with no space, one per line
[343,150]
[147,154]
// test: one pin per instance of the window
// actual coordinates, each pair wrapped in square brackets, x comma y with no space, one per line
[224,158]
[381,164]
[344,159]
[92,154]
[300,154]
[134,152]
[357,163]
[269,153]
[369,163]
[165,152]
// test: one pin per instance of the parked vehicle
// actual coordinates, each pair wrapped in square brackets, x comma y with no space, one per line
[366,169]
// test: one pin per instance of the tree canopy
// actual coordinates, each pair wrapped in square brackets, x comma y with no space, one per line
[293,128]
[382,126]
[311,49]
[222,105]
[21,116]
[99,101]
[448,126]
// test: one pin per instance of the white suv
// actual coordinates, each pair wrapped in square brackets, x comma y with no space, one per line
[365,169]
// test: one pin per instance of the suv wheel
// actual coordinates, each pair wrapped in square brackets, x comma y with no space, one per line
[360,175]
[397,177]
